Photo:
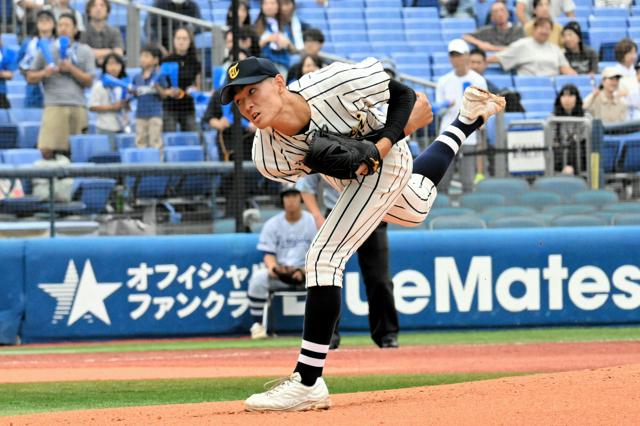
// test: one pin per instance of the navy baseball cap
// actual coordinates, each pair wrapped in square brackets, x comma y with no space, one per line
[248,71]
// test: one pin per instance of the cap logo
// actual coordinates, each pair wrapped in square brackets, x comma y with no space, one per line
[234,70]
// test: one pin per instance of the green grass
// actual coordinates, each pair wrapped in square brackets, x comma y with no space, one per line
[28,398]
[532,335]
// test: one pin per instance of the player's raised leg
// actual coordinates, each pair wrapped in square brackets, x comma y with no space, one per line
[430,166]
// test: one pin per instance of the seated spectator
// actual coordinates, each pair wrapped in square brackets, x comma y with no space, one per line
[46,29]
[275,44]
[535,55]
[110,103]
[244,18]
[525,9]
[58,7]
[541,10]
[583,59]
[313,42]
[568,103]
[100,36]
[626,53]
[5,74]
[160,25]
[150,89]
[220,117]
[498,35]
[449,90]
[284,241]
[456,8]
[26,14]
[179,106]
[478,63]
[65,111]
[604,102]
[293,26]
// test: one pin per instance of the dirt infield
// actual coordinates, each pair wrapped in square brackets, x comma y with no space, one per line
[583,383]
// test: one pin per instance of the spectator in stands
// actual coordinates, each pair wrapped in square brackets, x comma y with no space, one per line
[244,18]
[179,106]
[5,74]
[626,53]
[100,36]
[110,103]
[525,9]
[293,26]
[568,103]
[46,28]
[313,42]
[449,91]
[150,89]
[456,8]
[65,111]
[220,118]
[158,24]
[58,7]
[284,240]
[478,63]
[498,35]
[535,55]
[583,59]
[541,10]
[604,102]
[270,26]
[26,14]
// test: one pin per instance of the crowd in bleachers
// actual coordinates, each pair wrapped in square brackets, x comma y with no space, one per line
[561,57]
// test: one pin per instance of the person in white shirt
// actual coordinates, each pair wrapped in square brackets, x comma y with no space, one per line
[524,9]
[626,52]
[535,55]
[449,92]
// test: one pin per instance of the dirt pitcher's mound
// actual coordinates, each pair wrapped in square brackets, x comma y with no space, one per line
[604,396]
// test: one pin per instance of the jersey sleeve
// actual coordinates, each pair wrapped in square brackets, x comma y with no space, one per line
[308,183]
[268,241]
[271,161]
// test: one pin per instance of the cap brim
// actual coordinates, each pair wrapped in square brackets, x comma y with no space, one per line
[228,91]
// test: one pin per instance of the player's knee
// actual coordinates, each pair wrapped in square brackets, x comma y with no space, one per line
[259,284]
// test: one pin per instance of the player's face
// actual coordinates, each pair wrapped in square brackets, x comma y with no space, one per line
[260,103]
[291,202]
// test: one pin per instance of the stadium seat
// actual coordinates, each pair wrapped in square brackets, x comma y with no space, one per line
[383,4]
[598,36]
[5,116]
[345,36]
[85,147]
[450,211]
[180,138]
[345,25]
[211,145]
[479,201]
[29,131]
[146,186]
[539,199]
[457,222]
[493,213]
[625,219]
[21,156]
[609,155]
[9,134]
[349,4]
[538,93]
[522,81]
[577,80]
[420,12]
[626,207]
[607,22]
[379,14]
[385,36]
[187,185]
[517,222]
[631,156]
[610,12]
[94,193]
[504,81]
[15,87]
[16,100]
[510,188]
[355,15]
[578,220]
[569,209]
[384,24]
[597,198]
[442,200]
[565,186]
[125,140]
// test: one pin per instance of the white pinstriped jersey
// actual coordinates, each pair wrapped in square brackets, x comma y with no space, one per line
[343,97]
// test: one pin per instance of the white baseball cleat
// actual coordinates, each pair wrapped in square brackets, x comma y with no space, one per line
[478,102]
[258,331]
[289,394]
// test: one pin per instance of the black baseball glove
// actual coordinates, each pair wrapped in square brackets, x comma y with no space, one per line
[290,275]
[333,154]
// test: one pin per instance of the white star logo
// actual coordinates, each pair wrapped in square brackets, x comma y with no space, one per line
[83,297]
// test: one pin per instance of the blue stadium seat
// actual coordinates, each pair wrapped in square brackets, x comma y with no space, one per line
[465,25]
[354,14]
[16,87]
[345,48]
[383,4]
[634,22]
[598,36]
[610,12]
[9,39]
[631,156]
[626,219]
[180,138]
[384,24]
[146,186]
[420,12]
[379,14]
[211,145]
[125,140]
[21,156]
[384,36]
[308,14]
[625,207]
[16,100]
[538,105]
[610,155]
[9,133]
[565,186]
[26,114]
[504,81]
[94,193]
[577,80]
[457,222]
[539,199]
[5,116]
[450,211]
[607,22]
[386,48]
[517,222]
[578,220]
[29,131]
[346,36]
[84,147]
[349,4]
[531,81]
[442,200]
[187,185]
[346,25]
[510,188]
[421,71]
[407,58]
[428,39]
[597,198]
[493,213]
[569,209]
[538,93]
[479,201]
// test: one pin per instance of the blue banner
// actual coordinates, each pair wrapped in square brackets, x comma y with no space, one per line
[11,290]
[92,288]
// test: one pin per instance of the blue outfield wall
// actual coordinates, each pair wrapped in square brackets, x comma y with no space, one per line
[94,288]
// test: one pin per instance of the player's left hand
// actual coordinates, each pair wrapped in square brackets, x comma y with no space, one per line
[384,145]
